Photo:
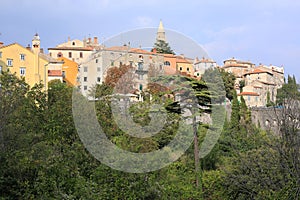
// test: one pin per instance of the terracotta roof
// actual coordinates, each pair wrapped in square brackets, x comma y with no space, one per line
[248,94]
[169,55]
[118,48]
[258,71]
[72,48]
[179,59]
[136,50]
[54,73]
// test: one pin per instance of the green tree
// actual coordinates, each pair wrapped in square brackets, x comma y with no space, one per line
[228,80]
[162,47]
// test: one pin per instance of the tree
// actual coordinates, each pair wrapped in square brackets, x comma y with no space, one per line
[121,78]
[288,89]
[228,80]
[162,47]
[269,102]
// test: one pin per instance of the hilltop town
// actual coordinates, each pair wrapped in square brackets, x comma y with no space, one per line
[88,121]
[84,63]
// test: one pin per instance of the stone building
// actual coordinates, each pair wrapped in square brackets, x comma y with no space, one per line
[94,70]
[201,65]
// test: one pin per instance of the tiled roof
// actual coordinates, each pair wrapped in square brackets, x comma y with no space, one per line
[248,94]
[54,73]
[258,71]
[179,59]
[118,48]
[72,48]
[136,50]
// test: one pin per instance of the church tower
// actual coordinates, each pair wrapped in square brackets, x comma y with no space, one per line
[161,35]
[36,44]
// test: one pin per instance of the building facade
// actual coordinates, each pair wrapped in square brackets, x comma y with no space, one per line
[69,71]
[75,50]
[30,62]
[94,70]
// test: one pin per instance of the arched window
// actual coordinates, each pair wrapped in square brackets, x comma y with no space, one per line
[73,43]
[59,55]
[167,63]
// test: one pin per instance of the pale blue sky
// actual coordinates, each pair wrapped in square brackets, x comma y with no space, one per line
[262,31]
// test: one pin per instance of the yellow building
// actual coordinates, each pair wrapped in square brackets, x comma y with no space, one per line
[184,66]
[29,62]
[69,71]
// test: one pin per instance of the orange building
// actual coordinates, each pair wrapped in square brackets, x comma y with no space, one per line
[69,71]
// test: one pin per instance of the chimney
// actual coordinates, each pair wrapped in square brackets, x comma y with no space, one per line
[28,47]
[1,44]
[41,50]
[95,40]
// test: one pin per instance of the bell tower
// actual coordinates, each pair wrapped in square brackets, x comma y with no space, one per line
[161,35]
[36,42]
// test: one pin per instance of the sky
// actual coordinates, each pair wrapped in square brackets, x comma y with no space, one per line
[260,31]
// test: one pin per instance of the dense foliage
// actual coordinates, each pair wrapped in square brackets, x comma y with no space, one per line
[42,156]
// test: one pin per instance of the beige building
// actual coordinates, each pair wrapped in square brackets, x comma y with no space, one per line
[258,83]
[94,70]
[75,50]
[238,68]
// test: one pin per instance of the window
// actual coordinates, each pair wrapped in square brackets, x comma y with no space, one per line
[85,79]
[22,56]
[141,87]
[81,55]
[59,55]
[50,54]
[22,71]
[70,54]
[141,77]
[73,43]
[0,54]
[140,66]
[85,69]
[249,98]
[167,63]
[188,69]
[9,62]
[98,69]
[98,79]
[96,60]
[85,87]
[64,74]
[180,68]
[112,63]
